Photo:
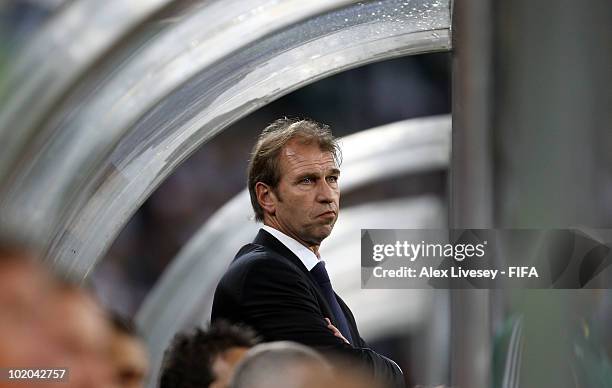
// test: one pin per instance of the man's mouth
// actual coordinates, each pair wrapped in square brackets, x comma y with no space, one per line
[328,214]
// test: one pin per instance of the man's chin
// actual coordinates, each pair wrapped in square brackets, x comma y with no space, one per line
[322,232]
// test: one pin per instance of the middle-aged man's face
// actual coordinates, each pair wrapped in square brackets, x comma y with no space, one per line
[306,200]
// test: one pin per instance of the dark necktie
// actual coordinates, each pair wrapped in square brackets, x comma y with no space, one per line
[320,274]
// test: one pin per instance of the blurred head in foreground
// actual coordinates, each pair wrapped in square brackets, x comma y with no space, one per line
[49,324]
[281,364]
[287,364]
[128,354]
[205,358]
[83,331]
[25,296]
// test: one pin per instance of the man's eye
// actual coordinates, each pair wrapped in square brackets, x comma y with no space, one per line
[306,180]
[333,179]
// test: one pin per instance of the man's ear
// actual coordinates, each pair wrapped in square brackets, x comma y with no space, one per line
[266,197]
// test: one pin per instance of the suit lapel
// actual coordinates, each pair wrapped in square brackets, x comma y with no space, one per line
[266,240]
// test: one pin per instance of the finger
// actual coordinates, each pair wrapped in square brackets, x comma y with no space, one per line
[341,337]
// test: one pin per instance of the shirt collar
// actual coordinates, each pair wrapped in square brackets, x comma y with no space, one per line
[306,256]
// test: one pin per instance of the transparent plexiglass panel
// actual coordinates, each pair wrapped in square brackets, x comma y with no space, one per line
[103,155]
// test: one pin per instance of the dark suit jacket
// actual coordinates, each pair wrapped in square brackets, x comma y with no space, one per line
[269,289]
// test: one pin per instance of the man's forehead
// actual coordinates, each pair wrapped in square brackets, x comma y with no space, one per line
[307,154]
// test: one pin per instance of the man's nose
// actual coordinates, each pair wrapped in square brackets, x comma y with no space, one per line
[325,193]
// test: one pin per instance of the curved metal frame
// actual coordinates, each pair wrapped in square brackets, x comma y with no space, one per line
[106,156]
[68,45]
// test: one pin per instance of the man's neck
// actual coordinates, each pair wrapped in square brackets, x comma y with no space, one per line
[272,224]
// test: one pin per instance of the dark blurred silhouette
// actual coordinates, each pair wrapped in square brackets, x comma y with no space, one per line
[205,358]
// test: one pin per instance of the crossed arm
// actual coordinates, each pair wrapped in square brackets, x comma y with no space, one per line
[278,303]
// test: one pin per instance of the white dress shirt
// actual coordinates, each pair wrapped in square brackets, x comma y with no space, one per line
[305,255]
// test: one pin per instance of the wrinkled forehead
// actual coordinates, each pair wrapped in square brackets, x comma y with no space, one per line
[300,155]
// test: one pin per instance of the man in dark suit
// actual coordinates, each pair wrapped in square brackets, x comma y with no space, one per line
[278,284]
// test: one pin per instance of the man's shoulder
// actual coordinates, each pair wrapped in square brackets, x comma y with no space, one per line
[254,254]
[256,267]
[254,257]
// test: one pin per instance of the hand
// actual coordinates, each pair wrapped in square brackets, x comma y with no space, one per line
[335,331]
